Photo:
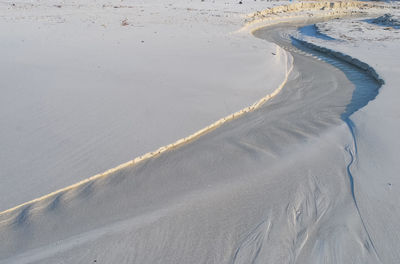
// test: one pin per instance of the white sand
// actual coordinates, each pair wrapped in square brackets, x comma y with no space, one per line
[82,93]
[376,172]
[272,186]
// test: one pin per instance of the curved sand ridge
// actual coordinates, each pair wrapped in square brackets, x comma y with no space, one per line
[178,143]
[23,211]
[255,21]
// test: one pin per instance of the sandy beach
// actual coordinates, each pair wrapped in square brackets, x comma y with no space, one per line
[270,130]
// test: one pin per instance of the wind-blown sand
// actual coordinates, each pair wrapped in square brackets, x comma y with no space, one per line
[274,185]
[376,168]
[83,93]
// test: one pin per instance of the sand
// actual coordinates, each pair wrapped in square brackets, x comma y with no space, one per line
[291,181]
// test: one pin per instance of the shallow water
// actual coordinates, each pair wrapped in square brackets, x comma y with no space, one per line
[366,86]
[311,30]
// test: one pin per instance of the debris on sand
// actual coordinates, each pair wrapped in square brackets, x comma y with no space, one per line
[124,22]
[387,20]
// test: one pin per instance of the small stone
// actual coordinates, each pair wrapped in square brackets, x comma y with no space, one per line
[124,22]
